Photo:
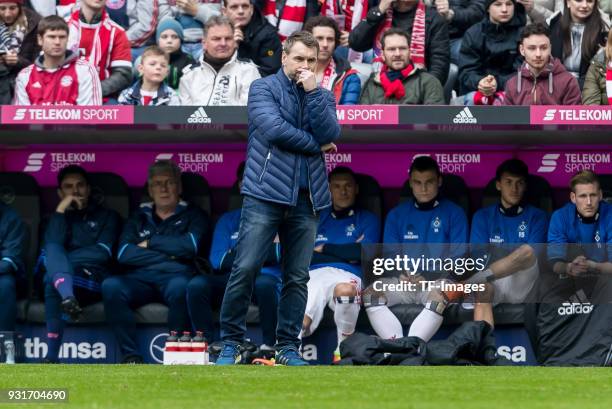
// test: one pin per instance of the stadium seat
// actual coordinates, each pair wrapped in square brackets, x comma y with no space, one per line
[453,188]
[21,191]
[235,199]
[539,193]
[370,195]
[606,186]
[110,190]
[196,190]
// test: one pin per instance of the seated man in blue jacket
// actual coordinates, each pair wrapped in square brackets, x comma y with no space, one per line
[427,225]
[157,248]
[78,247]
[206,291]
[12,270]
[335,270]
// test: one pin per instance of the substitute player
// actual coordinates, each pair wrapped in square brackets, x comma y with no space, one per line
[335,270]
[427,218]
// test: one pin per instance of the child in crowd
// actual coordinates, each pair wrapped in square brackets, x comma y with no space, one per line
[150,89]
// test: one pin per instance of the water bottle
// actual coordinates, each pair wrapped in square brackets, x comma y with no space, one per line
[198,343]
[184,342]
[172,342]
[9,349]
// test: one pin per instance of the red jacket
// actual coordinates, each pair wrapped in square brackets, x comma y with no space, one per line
[554,86]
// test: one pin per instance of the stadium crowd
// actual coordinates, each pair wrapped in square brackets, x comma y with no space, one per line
[208,52]
[88,255]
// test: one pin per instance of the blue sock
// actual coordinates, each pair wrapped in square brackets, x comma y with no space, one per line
[63,284]
[55,332]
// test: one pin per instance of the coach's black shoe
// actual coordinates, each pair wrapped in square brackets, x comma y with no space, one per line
[71,307]
[133,359]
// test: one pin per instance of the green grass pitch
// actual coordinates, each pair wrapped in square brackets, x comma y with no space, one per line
[154,386]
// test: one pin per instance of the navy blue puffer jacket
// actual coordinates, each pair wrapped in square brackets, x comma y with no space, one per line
[286,126]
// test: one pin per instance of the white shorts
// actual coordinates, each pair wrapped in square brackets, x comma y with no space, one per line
[321,287]
[403,297]
[514,288]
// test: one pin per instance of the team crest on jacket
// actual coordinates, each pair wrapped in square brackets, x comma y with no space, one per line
[92,224]
[66,81]
[522,228]
[349,230]
[435,224]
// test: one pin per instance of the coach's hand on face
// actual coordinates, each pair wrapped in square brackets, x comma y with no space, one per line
[306,79]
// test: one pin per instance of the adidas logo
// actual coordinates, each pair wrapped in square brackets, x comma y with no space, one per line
[36,85]
[199,117]
[465,117]
[577,304]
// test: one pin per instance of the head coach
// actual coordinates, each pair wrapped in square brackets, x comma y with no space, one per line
[292,123]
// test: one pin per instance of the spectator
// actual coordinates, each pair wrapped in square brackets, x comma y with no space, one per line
[335,270]
[150,89]
[542,79]
[347,14]
[43,7]
[67,79]
[257,39]
[459,15]
[18,45]
[489,56]
[104,43]
[400,82]
[288,16]
[12,266]
[598,82]
[429,43]
[78,248]
[205,291]
[333,73]
[169,37]
[576,35]
[141,16]
[157,248]
[220,78]
[192,15]
[542,10]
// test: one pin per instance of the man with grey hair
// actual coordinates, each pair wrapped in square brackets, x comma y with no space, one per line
[156,252]
[292,122]
[220,78]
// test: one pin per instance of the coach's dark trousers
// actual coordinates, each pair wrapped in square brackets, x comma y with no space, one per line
[259,222]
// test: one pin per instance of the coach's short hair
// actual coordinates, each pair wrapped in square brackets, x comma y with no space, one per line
[218,20]
[72,170]
[394,32]
[51,23]
[515,167]
[423,164]
[164,167]
[303,37]
[584,177]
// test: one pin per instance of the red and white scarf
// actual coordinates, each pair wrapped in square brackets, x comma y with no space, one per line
[609,82]
[417,41]
[395,88]
[102,38]
[354,12]
[329,75]
[291,18]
